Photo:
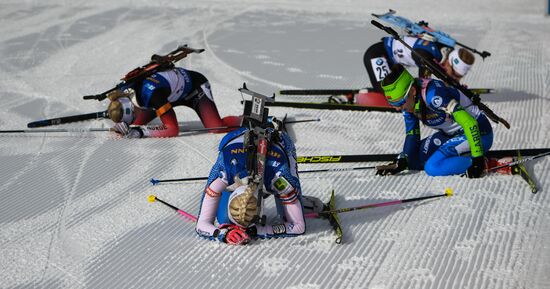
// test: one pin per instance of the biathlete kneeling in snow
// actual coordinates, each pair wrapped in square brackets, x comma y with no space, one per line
[156,96]
[229,198]
[464,134]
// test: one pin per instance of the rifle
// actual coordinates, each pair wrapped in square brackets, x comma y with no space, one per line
[257,143]
[157,63]
[422,30]
[440,73]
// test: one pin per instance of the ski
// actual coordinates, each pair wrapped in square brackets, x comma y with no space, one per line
[356,91]
[333,219]
[330,106]
[67,119]
[323,159]
[52,130]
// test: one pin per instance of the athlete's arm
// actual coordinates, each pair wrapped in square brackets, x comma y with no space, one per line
[210,199]
[295,223]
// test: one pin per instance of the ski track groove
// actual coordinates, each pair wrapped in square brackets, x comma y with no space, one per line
[40,198]
[135,186]
[60,223]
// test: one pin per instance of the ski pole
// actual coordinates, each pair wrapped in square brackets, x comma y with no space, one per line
[55,130]
[448,193]
[153,198]
[45,130]
[155,181]
[236,126]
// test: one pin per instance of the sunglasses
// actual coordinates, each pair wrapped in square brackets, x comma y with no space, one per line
[403,99]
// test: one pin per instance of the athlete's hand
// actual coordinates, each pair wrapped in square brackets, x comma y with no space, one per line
[477,169]
[234,235]
[252,231]
[397,166]
[121,128]
[134,132]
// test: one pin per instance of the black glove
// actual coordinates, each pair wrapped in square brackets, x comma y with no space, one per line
[399,165]
[477,169]
[252,231]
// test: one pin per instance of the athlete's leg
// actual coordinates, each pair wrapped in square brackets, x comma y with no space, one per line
[143,116]
[453,158]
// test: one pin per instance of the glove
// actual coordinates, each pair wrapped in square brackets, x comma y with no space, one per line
[234,235]
[134,132]
[477,169]
[121,128]
[397,166]
[252,231]
[339,99]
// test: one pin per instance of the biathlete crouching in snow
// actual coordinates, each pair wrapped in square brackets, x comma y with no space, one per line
[229,199]
[463,137]
[156,96]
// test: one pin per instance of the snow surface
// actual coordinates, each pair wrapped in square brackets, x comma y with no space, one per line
[74,210]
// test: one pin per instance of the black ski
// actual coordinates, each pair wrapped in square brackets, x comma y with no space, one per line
[355,91]
[67,119]
[320,159]
[330,106]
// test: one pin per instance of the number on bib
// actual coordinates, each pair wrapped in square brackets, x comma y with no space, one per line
[380,68]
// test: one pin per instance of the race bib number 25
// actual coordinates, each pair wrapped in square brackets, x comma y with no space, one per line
[380,67]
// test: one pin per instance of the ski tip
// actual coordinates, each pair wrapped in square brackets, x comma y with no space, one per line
[151,198]
[449,192]
[154,181]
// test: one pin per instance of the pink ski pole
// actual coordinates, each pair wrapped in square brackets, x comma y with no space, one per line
[448,193]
